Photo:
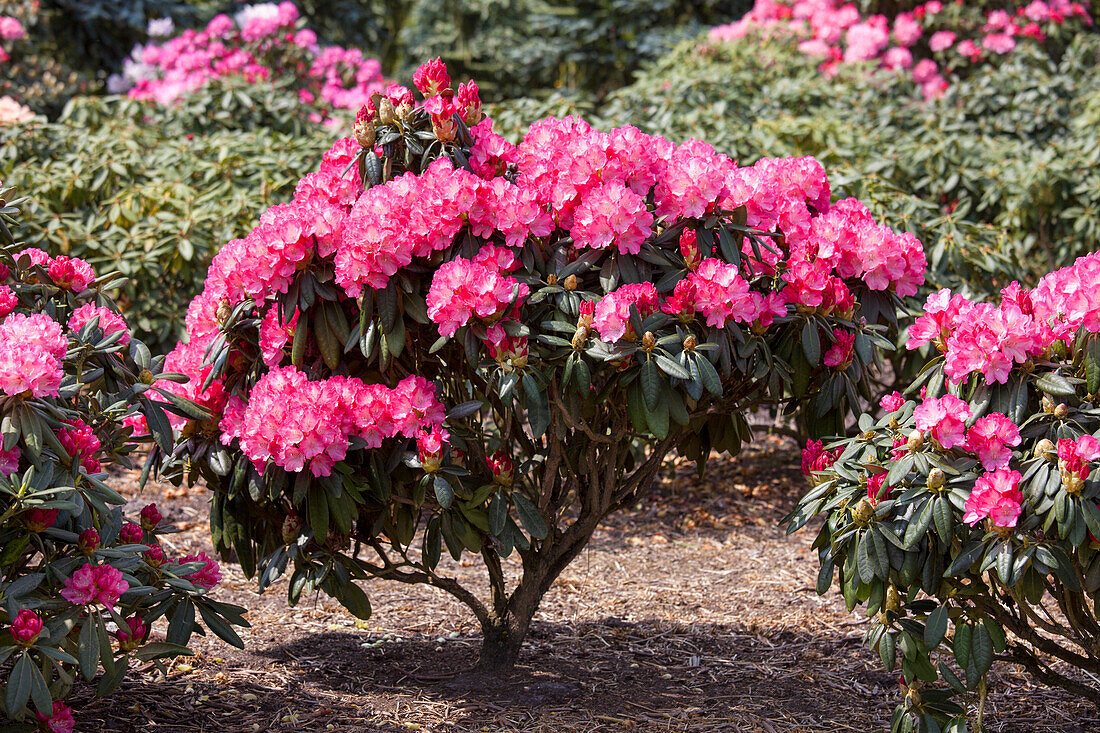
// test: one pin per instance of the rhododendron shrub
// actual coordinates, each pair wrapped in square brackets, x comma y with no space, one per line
[450,341]
[263,42]
[967,517]
[933,42]
[81,583]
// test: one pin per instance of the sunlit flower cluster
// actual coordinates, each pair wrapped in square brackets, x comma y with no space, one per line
[263,42]
[930,42]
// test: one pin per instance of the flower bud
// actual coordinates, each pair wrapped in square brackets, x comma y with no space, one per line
[39,520]
[936,479]
[88,542]
[131,534]
[502,468]
[292,527]
[649,341]
[893,600]
[570,283]
[863,512]
[154,557]
[1046,450]
[26,627]
[223,311]
[916,440]
[363,129]
[146,377]
[579,339]
[150,517]
[1047,404]
[551,279]
[1061,411]
[690,343]
[387,115]
[128,641]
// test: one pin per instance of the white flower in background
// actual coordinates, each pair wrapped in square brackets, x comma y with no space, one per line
[161,27]
[267,11]
[12,113]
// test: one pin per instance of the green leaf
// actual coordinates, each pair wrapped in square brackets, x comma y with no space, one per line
[651,384]
[1055,385]
[88,650]
[709,375]
[961,644]
[444,494]
[161,650]
[935,627]
[941,512]
[538,406]
[918,525]
[981,649]
[19,684]
[811,342]
[353,598]
[529,515]
[672,368]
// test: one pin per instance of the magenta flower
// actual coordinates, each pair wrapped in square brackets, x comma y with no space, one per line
[992,439]
[891,402]
[80,588]
[26,627]
[150,517]
[996,496]
[208,576]
[61,721]
[109,321]
[31,350]
[946,418]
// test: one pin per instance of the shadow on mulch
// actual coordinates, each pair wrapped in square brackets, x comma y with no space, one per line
[598,675]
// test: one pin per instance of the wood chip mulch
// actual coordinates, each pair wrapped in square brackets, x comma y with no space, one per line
[692,611]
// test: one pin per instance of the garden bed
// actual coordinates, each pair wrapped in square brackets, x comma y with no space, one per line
[690,612]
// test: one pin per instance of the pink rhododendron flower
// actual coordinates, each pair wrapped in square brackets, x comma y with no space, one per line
[132,638]
[839,355]
[875,483]
[71,273]
[88,542]
[9,461]
[208,576]
[26,627]
[462,289]
[81,443]
[722,294]
[92,583]
[992,439]
[8,300]
[941,41]
[274,336]
[611,317]
[429,447]
[946,418]
[61,721]
[31,350]
[816,458]
[432,78]
[995,495]
[109,321]
[612,214]
[1001,43]
[891,402]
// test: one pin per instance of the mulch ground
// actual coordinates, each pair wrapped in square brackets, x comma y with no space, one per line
[691,612]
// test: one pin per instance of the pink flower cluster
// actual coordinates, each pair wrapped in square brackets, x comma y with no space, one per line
[838,33]
[816,458]
[91,583]
[993,339]
[612,313]
[593,190]
[206,577]
[462,289]
[10,30]
[25,627]
[81,443]
[262,42]
[59,721]
[109,321]
[945,418]
[296,422]
[995,496]
[32,348]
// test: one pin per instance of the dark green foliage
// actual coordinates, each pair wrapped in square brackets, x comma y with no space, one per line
[155,194]
[998,179]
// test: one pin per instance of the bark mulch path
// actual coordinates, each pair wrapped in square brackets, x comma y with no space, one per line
[690,612]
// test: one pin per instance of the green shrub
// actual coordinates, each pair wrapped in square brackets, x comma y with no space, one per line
[81,586]
[153,193]
[998,179]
